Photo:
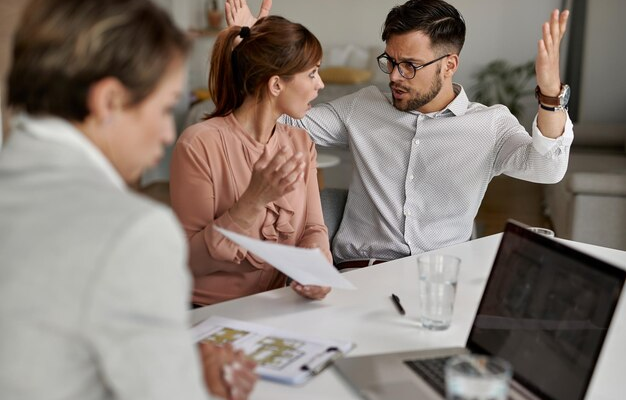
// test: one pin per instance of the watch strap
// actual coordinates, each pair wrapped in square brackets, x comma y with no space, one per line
[546,100]
[558,108]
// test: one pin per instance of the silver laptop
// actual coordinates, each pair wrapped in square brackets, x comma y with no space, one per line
[546,309]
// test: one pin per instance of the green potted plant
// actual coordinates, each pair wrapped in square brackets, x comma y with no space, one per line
[499,82]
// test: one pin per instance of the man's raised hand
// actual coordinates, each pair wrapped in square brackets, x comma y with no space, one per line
[238,13]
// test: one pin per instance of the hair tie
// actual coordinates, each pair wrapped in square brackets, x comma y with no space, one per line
[244,32]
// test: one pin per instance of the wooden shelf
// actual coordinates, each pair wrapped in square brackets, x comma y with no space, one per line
[207,32]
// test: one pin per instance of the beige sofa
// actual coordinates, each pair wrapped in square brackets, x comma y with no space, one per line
[589,204]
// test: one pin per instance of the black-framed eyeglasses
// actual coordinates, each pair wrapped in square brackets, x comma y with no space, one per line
[407,69]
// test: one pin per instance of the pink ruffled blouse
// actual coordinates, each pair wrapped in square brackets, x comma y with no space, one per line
[210,169]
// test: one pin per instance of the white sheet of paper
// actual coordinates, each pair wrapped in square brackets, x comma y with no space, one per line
[306,266]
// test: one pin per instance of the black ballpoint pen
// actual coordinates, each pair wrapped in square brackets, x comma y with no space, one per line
[396,302]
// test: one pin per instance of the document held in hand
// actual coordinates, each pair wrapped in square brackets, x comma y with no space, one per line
[281,356]
[305,266]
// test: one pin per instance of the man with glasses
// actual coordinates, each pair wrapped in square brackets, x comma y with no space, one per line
[424,154]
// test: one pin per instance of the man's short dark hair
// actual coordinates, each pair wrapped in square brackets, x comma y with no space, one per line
[440,21]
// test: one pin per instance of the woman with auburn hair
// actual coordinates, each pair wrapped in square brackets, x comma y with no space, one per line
[94,287]
[243,171]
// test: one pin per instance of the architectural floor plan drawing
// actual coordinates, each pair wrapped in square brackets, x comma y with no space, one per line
[281,356]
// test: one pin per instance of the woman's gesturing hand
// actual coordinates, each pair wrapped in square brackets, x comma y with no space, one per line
[275,177]
[271,179]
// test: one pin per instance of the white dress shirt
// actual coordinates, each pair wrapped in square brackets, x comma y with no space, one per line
[419,178]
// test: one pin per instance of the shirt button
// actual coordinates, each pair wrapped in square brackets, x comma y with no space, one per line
[407,213]
[416,141]
[411,177]
[408,242]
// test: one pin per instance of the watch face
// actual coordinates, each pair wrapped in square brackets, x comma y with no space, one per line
[564,96]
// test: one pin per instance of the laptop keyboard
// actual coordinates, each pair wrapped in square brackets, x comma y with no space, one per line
[431,370]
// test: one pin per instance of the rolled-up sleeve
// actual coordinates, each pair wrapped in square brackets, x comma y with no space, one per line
[556,146]
[533,158]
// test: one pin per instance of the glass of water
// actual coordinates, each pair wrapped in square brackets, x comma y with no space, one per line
[475,377]
[438,275]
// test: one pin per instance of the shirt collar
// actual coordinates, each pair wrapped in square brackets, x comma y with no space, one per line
[459,105]
[60,131]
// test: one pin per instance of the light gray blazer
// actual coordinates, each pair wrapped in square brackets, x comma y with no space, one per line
[93,284]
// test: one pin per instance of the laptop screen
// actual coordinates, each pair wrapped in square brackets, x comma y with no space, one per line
[546,309]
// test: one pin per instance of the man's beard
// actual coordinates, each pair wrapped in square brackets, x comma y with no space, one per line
[420,100]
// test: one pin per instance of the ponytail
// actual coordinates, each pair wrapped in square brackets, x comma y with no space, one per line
[272,46]
[223,86]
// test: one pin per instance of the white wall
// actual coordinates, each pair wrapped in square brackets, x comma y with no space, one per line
[181,10]
[495,29]
[1,124]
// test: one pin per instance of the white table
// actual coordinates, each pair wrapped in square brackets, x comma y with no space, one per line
[368,317]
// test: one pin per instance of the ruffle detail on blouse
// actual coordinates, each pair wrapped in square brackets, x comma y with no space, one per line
[277,224]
